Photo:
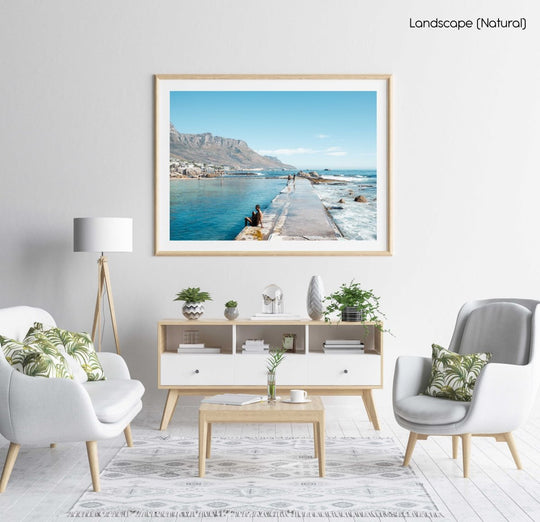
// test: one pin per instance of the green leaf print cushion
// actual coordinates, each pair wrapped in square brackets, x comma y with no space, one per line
[78,346]
[37,358]
[453,376]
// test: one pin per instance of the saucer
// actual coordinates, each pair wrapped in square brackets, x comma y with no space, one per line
[288,401]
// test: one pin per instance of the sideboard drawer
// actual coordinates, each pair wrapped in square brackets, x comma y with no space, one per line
[341,370]
[251,370]
[196,370]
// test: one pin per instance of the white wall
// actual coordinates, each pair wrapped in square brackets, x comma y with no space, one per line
[76,139]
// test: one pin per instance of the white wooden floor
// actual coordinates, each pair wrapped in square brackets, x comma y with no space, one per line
[46,482]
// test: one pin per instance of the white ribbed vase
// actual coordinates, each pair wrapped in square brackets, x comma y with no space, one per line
[315,295]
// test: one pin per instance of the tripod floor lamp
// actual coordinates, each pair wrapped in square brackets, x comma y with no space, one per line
[103,235]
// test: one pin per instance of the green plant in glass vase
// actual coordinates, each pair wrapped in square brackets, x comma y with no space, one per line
[275,358]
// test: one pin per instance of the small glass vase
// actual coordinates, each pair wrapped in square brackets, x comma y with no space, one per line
[271,386]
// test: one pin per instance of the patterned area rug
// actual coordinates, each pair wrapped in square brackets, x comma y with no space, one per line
[258,477]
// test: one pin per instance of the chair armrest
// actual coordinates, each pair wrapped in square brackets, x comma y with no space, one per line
[411,376]
[113,365]
[503,397]
[49,410]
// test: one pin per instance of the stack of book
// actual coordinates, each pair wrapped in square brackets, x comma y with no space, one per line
[255,346]
[196,348]
[343,346]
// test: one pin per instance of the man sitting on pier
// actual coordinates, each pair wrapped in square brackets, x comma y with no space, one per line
[256,218]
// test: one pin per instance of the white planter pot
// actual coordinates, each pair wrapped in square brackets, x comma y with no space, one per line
[193,310]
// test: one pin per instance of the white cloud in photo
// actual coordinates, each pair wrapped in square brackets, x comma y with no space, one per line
[322,136]
[286,152]
[298,151]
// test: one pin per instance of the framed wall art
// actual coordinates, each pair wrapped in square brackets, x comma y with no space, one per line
[273,165]
[289,342]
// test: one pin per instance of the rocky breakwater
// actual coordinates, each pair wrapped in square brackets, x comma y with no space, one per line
[316,178]
[178,171]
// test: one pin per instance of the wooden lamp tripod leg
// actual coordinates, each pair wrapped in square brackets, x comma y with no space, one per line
[108,287]
[97,311]
[104,279]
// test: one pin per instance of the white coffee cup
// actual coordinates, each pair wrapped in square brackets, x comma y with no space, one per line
[298,395]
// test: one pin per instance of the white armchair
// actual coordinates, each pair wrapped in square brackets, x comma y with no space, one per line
[37,410]
[505,390]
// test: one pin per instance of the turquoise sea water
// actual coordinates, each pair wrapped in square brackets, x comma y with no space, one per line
[213,209]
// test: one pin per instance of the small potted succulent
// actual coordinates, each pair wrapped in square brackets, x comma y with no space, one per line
[231,310]
[353,304]
[193,302]
[274,360]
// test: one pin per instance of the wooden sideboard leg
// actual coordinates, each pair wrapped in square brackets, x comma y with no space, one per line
[367,397]
[168,410]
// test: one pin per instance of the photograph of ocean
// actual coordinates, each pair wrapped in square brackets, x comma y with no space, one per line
[306,158]
[213,209]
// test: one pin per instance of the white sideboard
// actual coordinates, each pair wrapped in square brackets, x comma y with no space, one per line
[232,371]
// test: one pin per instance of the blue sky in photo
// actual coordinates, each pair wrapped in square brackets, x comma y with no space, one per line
[307,129]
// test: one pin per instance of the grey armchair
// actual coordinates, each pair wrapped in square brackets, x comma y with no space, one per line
[505,390]
[38,410]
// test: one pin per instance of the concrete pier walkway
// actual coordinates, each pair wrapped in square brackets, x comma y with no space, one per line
[296,213]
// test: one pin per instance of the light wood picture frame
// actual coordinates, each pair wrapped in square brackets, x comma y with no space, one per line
[289,342]
[273,165]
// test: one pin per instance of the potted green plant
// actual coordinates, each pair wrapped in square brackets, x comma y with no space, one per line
[353,303]
[275,358]
[193,302]
[231,310]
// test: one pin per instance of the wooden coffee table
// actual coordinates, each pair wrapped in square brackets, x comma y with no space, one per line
[310,412]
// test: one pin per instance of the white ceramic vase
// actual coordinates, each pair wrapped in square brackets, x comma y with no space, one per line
[315,296]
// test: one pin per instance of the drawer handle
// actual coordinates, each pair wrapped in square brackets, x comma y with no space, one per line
[345,370]
[196,371]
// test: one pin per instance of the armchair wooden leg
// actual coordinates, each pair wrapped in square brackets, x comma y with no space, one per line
[127,434]
[466,449]
[455,446]
[513,449]
[91,448]
[413,437]
[11,457]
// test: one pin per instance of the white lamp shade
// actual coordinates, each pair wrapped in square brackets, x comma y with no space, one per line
[102,234]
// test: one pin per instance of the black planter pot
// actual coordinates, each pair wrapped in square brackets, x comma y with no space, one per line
[351,314]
